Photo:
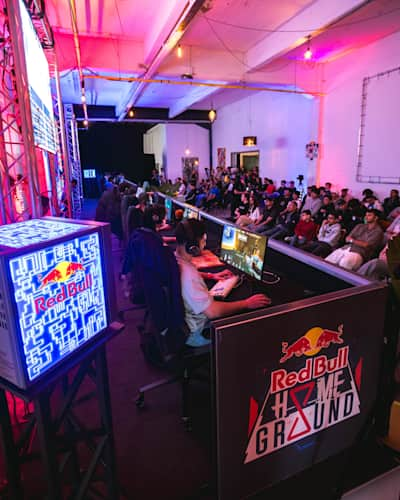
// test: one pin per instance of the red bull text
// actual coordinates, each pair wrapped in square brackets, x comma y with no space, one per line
[306,400]
[45,302]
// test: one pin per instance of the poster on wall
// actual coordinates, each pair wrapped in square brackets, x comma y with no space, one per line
[221,156]
[190,169]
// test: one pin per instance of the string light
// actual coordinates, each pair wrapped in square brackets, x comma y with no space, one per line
[179,51]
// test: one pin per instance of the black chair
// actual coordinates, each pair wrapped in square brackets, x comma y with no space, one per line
[156,289]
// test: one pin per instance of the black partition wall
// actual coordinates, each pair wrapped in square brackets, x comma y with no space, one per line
[295,383]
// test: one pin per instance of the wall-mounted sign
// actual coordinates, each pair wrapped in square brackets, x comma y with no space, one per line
[250,140]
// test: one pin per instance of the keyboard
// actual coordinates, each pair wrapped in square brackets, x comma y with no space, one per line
[224,287]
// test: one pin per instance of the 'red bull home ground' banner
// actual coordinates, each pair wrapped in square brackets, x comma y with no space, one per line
[294,389]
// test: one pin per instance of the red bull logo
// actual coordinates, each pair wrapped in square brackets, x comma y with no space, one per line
[311,343]
[320,393]
[61,272]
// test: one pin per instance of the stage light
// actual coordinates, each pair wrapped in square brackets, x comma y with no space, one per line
[212,115]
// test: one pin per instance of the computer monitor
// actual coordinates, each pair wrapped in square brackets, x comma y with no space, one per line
[243,250]
[168,209]
[191,213]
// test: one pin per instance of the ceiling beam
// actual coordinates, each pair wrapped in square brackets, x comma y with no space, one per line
[316,17]
[169,26]
[196,95]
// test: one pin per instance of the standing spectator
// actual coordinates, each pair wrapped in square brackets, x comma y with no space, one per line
[109,210]
[362,242]
[328,237]
[304,230]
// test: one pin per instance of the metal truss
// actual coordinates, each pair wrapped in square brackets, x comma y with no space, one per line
[73,158]
[19,198]
[76,452]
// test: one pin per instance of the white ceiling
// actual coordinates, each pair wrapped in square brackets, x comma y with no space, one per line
[227,41]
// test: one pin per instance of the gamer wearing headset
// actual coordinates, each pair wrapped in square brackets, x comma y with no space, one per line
[200,306]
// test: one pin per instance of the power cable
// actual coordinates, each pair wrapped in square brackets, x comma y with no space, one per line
[335,25]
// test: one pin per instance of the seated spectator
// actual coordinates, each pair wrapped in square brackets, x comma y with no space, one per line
[286,223]
[304,231]
[393,229]
[313,202]
[392,202]
[371,202]
[325,209]
[214,195]
[284,199]
[282,188]
[296,199]
[376,269]
[328,188]
[292,187]
[190,196]
[254,213]
[328,237]
[243,207]
[362,242]
[181,187]
[353,215]
[269,215]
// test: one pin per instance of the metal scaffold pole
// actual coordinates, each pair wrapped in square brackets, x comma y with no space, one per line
[72,143]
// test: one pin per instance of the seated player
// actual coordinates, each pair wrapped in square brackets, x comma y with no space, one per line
[200,306]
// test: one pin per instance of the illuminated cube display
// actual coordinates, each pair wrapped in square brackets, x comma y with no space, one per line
[57,292]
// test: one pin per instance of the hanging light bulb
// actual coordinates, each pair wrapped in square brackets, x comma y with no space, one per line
[83,98]
[131,113]
[212,115]
[187,151]
[85,123]
[308,52]
[179,51]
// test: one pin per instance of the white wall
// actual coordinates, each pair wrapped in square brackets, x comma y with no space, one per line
[283,124]
[341,115]
[182,136]
[155,142]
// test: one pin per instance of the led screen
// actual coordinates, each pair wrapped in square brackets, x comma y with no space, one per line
[168,208]
[89,173]
[22,234]
[44,130]
[191,214]
[243,250]
[59,295]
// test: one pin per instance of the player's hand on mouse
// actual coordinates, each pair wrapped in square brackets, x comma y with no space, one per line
[223,275]
[258,300]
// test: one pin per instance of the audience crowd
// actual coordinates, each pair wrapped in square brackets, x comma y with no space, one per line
[347,231]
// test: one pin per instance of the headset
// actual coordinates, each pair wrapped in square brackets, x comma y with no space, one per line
[192,244]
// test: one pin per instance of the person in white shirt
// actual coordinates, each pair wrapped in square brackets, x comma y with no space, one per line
[200,306]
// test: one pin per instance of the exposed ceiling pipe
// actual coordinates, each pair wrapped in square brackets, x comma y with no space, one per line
[194,83]
[74,24]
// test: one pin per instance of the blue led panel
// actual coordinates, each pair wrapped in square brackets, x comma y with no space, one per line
[22,234]
[60,300]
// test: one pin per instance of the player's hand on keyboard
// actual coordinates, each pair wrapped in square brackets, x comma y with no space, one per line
[258,300]
[223,275]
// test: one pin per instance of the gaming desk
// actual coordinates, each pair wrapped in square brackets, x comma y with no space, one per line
[294,384]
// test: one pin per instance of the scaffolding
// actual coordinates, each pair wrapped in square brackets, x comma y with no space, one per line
[20,196]
[73,160]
